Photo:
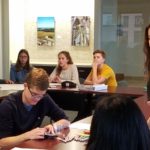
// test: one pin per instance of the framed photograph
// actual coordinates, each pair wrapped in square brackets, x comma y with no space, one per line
[45,31]
[80,30]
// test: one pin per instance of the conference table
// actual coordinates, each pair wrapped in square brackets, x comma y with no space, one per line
[55,144]
[139,95]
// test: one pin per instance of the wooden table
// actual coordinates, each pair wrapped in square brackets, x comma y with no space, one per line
[4,93]
[54,144]
[82,100]
[138,94]
[57,145]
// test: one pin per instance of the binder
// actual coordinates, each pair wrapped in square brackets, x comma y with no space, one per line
[96,87]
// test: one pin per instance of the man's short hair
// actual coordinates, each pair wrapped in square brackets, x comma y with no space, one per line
[100,52]
[38,77]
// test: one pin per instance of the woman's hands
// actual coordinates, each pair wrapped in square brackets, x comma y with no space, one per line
[9,82]
[56,79]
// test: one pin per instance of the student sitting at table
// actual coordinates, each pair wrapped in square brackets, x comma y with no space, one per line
[19,71]
[21,113]
[101,72]
[65,69]
[118,124]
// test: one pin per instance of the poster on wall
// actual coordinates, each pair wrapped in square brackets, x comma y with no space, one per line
[80,30]
[45,31]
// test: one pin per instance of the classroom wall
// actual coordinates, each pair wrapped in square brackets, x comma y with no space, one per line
[23,29]
[20,32]
[133,56]
[5,38]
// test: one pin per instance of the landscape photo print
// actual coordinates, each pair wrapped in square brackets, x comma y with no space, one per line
[45,31]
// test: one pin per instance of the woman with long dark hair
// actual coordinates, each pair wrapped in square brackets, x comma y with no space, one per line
[147,62]
[118,124]
[147,58]
[19,71]
[65,70]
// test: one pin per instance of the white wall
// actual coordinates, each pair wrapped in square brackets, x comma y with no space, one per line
[23,29]
[16,27]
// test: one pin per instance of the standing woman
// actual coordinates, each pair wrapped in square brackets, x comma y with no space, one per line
[19,71]
[147,58]
[65,69]
[147,62]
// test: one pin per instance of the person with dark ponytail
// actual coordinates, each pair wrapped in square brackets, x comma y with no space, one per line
[118,124]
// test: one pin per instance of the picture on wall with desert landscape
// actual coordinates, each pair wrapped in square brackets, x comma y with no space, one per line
[45,31]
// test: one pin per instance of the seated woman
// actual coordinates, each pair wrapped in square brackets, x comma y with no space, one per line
[65,69]
[118,124]
[19,71]
[101,72]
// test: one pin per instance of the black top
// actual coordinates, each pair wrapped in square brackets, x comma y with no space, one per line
[16,119]
[148,89]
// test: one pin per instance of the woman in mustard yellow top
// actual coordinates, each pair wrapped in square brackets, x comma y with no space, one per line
[101,72]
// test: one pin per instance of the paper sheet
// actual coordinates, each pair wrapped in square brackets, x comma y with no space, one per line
[54,85]
[18,148]
[15,87]
[82,126]
[97,87]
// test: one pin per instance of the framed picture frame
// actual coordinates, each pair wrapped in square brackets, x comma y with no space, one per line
[45,31]
[80,26]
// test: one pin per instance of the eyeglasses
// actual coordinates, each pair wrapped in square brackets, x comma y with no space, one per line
[23,56]
[36,96]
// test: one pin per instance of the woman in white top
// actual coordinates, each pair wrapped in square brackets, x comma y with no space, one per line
[65,70]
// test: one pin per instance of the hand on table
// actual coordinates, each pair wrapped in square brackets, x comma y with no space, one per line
[37,133]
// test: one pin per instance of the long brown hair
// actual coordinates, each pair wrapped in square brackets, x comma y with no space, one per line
[18,63]
[147,50]
[67,55]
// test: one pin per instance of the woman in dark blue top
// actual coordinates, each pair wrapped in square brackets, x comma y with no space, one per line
[19,71]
